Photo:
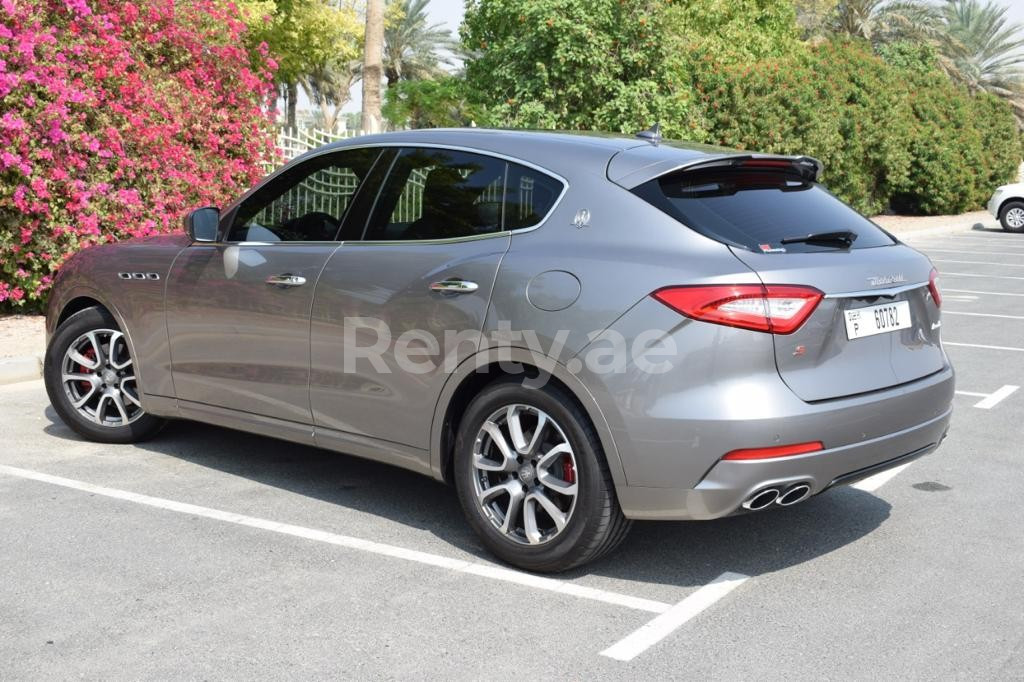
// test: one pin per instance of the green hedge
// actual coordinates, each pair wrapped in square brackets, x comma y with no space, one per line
[890,135]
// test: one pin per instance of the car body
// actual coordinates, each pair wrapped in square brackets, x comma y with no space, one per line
[1007,206]
[582,247]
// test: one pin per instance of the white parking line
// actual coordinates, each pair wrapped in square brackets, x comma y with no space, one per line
[929,249]
[990,400]
[637,642]
[969,242]
[982,345]
[873,483]
[983,293]
[457,565]
[975,274]
[1004,317]
[978,262]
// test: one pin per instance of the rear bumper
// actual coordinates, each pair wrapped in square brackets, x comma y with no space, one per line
[729,483]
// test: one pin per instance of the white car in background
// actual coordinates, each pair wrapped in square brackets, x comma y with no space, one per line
[1007,204]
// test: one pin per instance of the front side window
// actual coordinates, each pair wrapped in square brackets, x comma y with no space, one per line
[306,202]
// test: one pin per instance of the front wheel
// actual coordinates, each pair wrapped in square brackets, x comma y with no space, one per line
[1011,217]
[91,380]
[532,478]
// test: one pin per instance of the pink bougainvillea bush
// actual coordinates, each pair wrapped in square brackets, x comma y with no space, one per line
[115,118]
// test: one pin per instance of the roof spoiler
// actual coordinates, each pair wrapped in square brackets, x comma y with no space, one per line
[635,166]
[808,167]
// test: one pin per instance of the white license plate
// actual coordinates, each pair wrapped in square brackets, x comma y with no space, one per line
[877,319]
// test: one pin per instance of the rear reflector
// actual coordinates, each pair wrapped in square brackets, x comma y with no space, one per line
[775,308]
[934,288]
[777,451]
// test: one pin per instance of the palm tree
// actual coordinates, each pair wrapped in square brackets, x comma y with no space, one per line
[983,49]
[373,66]
[413,48]
[882,21]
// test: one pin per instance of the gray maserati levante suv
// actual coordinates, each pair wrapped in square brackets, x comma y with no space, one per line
[576,331]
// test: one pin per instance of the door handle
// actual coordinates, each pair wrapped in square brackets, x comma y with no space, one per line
[455,286]
[286,280]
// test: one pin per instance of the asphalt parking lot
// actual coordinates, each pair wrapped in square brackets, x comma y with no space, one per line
[218,555]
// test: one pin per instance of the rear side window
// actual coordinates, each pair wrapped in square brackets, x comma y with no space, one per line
[756,210]
[439,194]
[446,193]
[529,196]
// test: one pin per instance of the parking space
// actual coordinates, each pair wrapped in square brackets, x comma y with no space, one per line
[209,553]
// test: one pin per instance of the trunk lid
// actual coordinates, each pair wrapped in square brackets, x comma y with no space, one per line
[787,228]
[819,361]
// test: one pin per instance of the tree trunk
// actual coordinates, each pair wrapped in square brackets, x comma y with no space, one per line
[291,97]
[373,66]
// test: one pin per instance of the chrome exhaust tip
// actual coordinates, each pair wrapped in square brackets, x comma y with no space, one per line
[762,499]
[798,493]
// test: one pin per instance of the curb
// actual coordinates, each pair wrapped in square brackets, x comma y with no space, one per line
[21,368]
[950,228]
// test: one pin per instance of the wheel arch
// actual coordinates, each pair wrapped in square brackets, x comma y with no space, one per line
[76,305]
[1004,202]
[79,299]
[466,382]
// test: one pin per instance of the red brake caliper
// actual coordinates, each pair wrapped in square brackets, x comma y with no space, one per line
[85,385]
[568,470]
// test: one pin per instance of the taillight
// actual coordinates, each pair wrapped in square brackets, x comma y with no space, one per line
[775,308]
[934,288]
[776,451]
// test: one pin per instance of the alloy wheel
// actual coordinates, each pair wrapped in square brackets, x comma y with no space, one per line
[525,474]
[1015,217]
[98,378]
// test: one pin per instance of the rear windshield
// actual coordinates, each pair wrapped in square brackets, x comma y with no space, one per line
[756,210]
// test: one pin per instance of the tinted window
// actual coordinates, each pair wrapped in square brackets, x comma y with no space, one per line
[529,196]
[439,194]
[306,202]
[757,209]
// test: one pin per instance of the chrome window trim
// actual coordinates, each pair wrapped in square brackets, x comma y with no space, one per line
[867,293]
[412,145]
[444,240]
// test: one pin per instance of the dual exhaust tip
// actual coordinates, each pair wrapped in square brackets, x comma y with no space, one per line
[766,497]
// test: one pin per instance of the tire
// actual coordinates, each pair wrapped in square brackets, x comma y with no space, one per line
[90,333]
[1011,216]
[594,525]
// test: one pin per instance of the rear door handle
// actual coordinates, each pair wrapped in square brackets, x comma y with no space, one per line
[455,286]
[286,280]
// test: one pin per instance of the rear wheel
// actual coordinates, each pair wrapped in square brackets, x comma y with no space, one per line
[1011,216]
[532,478]
[91,381]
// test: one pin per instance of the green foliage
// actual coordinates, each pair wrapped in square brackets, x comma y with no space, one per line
[901,135]
[734,31]
[434,103]
[962,146]
[573,65]
[909,55]
[304,35]
[836,102]
[891,128]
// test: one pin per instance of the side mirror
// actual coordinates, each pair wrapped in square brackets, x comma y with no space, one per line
[203,224]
